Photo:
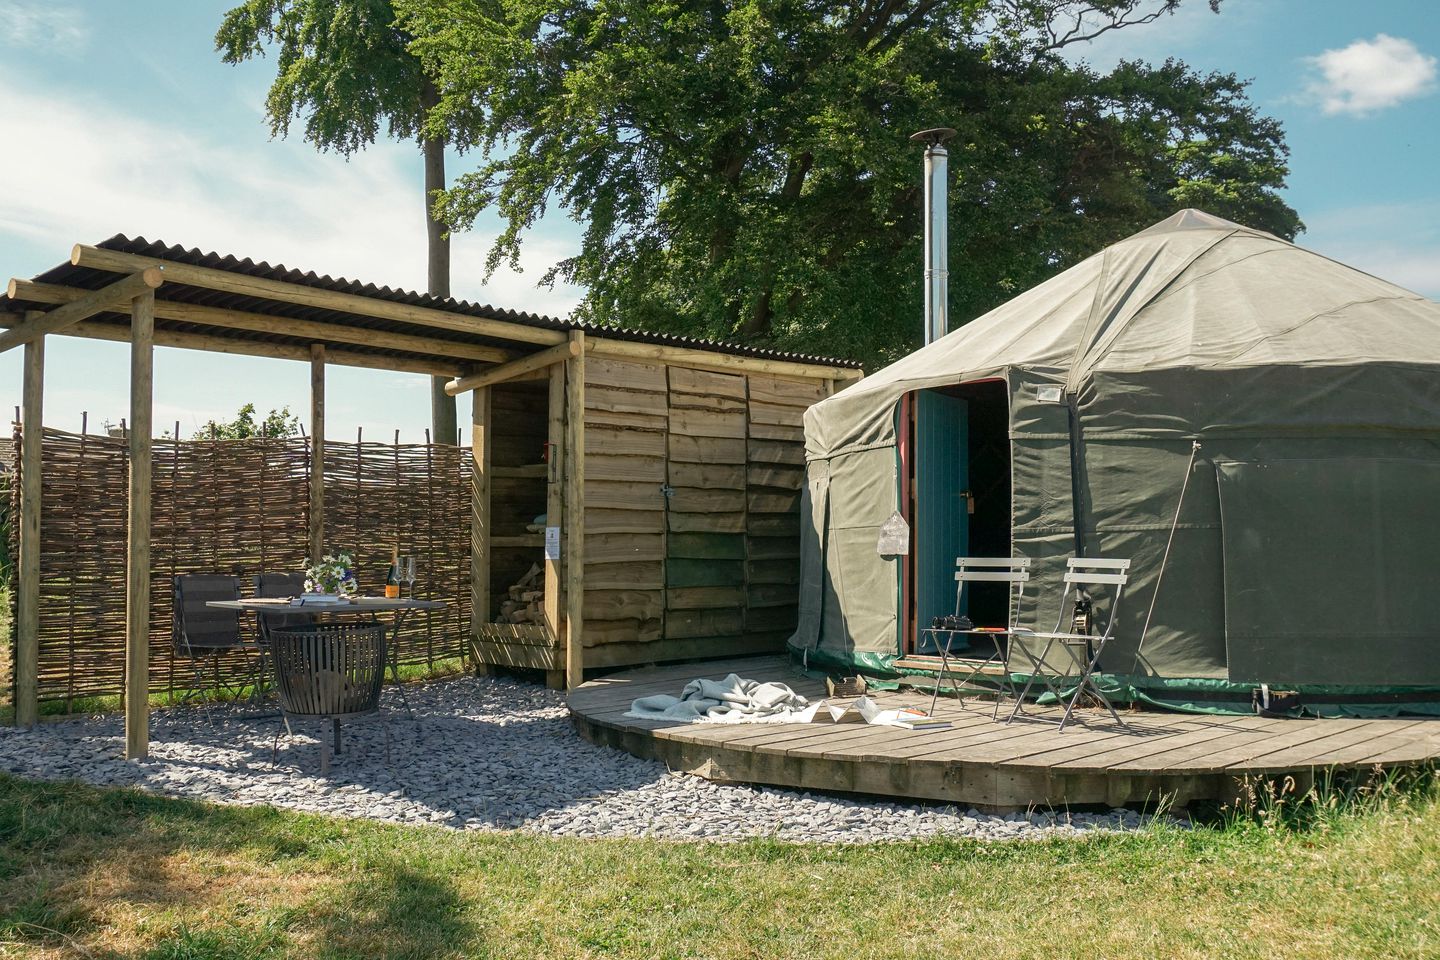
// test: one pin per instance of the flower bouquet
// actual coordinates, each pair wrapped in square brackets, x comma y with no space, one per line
[333,578]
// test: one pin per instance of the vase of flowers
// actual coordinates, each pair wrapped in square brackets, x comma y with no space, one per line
[333,578]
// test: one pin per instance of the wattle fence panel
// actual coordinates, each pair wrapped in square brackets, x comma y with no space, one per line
[235,507]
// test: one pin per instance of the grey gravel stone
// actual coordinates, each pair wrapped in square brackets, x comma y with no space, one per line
[484,754]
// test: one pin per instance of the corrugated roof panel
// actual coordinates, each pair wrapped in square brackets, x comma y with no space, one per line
[90,279]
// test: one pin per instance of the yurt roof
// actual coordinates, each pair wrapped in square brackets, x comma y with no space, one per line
[1193,291]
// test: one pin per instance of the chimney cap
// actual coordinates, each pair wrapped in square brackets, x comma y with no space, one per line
[934,136]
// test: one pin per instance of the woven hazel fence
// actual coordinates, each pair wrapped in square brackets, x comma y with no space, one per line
[237,507]
[415,497]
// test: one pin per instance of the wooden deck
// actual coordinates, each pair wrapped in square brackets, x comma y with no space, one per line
[980,762]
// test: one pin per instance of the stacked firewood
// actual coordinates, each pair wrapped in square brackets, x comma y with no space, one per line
[525,601]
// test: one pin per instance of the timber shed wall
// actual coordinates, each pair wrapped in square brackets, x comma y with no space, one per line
[692,498]
[692,483]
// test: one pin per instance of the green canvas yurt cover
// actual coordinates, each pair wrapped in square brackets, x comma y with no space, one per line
[1306,549]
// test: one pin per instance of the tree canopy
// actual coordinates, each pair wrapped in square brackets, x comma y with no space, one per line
[742,168]
[345,67]
[277,423]
[341,65]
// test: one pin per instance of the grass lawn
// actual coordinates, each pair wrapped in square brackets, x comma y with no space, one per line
[104,873]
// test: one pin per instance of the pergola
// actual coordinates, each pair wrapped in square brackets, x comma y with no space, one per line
[149,294]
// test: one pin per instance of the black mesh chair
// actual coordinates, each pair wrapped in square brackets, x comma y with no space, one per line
[277,586]
[333,671]
[202,632]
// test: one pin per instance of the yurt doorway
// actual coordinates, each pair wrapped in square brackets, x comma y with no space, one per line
[955,468]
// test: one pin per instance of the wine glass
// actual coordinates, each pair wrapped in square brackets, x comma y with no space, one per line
[408,575]
[398,569]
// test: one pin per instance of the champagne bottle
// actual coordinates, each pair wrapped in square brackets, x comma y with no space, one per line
[392,576]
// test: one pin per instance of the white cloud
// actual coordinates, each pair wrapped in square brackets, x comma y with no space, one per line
[27,24]
[87,172]
[1372,75]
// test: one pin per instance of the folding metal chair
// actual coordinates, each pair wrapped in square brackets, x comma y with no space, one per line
[275,586]
[1083,650]
[202,631]
[1014,571]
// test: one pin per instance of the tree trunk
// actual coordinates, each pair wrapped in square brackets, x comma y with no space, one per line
[762,312]
[442,406]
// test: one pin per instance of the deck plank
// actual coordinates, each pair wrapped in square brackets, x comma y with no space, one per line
[1196,740]
[1201,755]
[1321,751]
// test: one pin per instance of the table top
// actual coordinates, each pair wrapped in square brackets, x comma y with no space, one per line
[358,605]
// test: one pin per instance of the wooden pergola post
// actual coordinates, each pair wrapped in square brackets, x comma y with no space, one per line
[317,452]
[137,554]
[27,626]
[480,446]
[573,531]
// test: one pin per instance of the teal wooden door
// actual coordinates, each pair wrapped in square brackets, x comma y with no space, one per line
[942,516]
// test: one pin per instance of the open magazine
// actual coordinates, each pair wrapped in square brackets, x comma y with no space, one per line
[866,709]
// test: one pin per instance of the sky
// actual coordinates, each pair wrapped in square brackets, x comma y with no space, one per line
[120,118]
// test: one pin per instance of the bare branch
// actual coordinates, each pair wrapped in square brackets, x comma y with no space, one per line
[1090,22]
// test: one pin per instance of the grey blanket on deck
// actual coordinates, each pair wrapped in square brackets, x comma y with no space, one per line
[732,700]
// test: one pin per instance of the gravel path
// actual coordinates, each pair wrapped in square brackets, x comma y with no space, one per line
[482,754]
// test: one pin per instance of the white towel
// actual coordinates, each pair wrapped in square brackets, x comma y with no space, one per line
[732,700]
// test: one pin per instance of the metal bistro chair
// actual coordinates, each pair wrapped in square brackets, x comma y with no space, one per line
[1082,650]
[1014,571]
[201,631]
[277,586]
[332,671]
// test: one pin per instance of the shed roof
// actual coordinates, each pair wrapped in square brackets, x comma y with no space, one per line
[271,305]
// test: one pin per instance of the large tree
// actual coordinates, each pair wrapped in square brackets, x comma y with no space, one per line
[344,67]
[742,168]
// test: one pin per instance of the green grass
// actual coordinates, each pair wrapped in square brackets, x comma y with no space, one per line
[92,873]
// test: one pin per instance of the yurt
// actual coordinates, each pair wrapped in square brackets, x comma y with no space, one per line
[1255,426]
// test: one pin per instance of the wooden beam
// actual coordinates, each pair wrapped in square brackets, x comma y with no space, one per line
[30,291]
[515,368]
[481,443]
[317,452]
[554,500]
[211,279]
[96,301]
[573,531]
[137,550]
[27,625]
[255,348]
[723,362]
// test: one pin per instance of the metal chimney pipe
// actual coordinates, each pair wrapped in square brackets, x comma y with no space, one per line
[937,229]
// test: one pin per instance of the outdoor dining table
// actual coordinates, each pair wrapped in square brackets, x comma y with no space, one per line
[357,607]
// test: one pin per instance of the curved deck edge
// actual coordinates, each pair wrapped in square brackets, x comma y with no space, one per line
[1173,758]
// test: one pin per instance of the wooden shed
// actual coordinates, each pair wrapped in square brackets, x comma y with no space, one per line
[651,480]
[683,507]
